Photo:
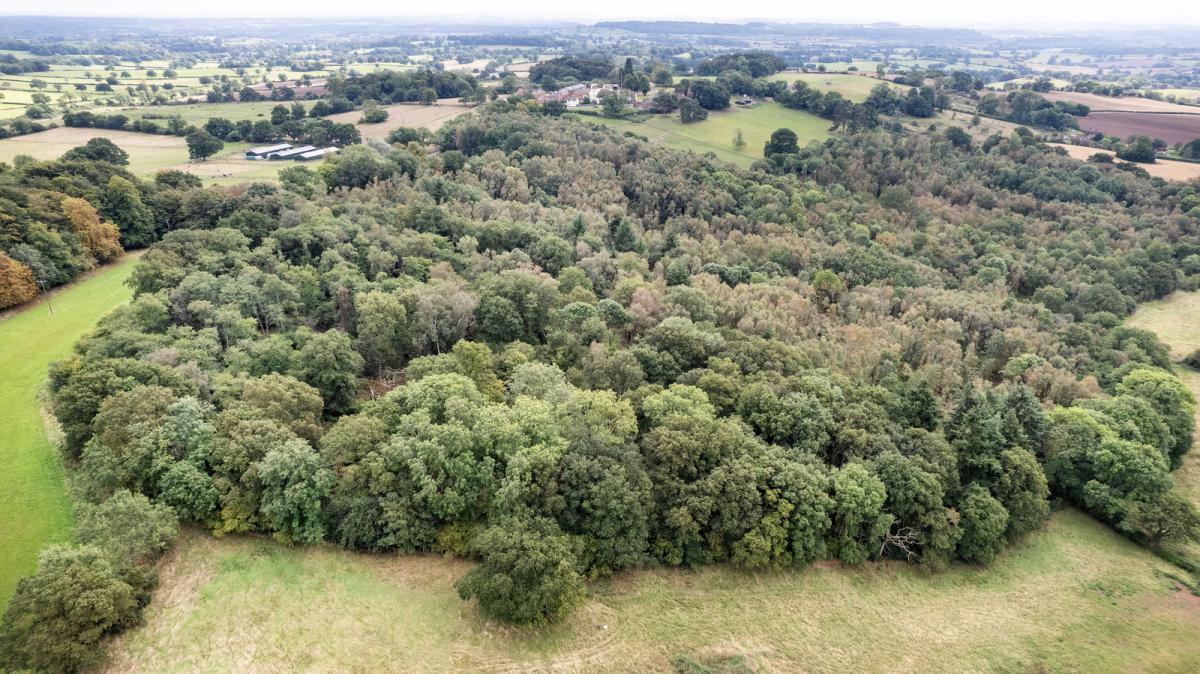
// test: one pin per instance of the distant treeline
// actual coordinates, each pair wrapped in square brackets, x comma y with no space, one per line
[754,64]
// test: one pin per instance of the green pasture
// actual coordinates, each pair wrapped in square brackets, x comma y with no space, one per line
[34,506]
[716,133]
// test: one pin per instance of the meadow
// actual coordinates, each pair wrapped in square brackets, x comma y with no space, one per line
[147,152]
[34,505]
[1073,597]
[431,117]
[716,133]
[853,87]
[199,113]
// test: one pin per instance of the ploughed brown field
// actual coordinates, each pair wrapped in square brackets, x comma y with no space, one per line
[1169,127]
[1120,103]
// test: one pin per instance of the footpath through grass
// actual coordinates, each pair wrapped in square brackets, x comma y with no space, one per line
[34,507]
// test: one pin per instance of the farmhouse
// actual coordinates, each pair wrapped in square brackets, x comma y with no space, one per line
[290,152]
[569,95]
[265,150]
[317,154]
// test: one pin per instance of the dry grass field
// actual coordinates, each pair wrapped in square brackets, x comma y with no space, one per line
[147,153]
[1074,597]
[431,117]
[853,87]
[1165,169]
[1120,103]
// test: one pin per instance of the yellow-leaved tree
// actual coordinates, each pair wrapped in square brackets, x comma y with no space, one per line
[16,282]
[102,239]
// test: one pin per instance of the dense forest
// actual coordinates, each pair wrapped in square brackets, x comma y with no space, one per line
[564,353]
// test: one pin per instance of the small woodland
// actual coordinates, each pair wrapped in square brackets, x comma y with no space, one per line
[563,353]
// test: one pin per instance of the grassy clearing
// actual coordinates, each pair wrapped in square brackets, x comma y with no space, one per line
[1075,597]
[1175,319]
[34,507]
[716,133]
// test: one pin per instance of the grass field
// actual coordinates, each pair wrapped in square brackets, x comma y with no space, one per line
[1074,597]
[853,87]
[431,117]
[1165,169]
[147,152]
[199,113]
[34,507]
[716,133]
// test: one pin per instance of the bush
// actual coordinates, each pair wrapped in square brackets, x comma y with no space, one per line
[374,116]
[59,614]
[128,527]
[984,521]
[529,573]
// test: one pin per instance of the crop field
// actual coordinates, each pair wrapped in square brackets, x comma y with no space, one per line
[1074,597]
[716,133]
[1169,127]
[853,87]
[1120,103]
[34,506]
[431,117]
[1165,169]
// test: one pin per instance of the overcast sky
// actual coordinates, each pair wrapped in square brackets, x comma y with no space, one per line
[927,12]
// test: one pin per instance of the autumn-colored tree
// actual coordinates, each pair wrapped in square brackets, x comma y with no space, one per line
[17,284]
[102,239]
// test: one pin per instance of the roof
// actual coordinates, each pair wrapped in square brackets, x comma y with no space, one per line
[293,151]
[314,154]
[268,148]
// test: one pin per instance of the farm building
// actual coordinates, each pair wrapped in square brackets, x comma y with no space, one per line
[265,150]
[317,154]
[290,152]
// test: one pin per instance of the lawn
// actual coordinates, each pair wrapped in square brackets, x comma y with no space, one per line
[1074,597]
[34,507]
[716,133]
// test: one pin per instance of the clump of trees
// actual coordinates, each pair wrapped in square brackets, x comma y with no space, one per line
[614,355]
